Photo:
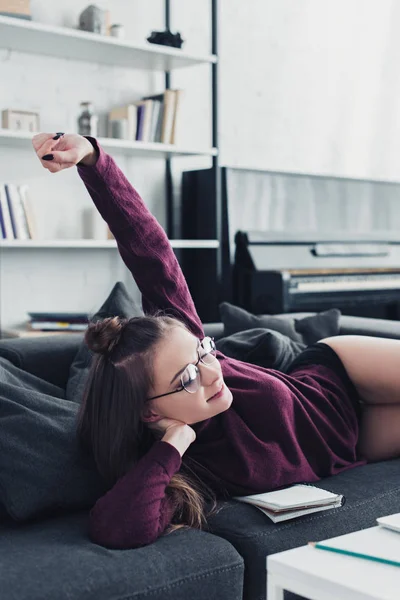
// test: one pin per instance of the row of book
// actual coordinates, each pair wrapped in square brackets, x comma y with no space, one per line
[16,219]
[50,321]
[151,119]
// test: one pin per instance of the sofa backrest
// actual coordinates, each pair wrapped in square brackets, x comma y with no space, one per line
[50,357]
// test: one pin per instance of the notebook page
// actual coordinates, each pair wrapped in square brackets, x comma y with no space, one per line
[296,495]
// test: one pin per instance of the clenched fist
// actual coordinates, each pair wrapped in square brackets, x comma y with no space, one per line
[65,152]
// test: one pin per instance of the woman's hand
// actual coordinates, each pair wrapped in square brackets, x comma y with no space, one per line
[65,152]
[178,434]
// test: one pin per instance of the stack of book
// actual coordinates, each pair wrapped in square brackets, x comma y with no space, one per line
[49,321]
[16,219]
[151,119]
[293,501]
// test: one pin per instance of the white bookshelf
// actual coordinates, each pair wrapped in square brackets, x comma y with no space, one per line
[31,264]
[62,42]
[93,244]
[22,139]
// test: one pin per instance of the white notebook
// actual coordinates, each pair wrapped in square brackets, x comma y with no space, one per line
[390,522]
[294,501]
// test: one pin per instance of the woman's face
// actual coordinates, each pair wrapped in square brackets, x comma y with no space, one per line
[178,349]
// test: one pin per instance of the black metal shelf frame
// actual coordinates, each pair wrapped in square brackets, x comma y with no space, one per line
[169,193]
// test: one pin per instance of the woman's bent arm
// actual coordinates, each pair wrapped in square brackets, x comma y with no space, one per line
[136,511]
[142,243]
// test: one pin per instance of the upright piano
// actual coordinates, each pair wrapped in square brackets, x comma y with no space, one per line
[293,272]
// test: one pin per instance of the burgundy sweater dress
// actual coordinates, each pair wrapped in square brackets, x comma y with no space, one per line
[280,429]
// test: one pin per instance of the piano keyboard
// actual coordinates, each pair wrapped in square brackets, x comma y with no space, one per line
[340,283]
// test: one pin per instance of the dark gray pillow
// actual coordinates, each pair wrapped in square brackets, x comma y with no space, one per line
[262,347]
[118,304]
[42,467]
[307,330]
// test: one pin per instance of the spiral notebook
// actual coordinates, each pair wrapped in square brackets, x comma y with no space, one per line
[294,501]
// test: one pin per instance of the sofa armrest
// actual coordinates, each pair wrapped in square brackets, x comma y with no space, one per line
[215,330]
[348,325]
[367,326]
[48,357]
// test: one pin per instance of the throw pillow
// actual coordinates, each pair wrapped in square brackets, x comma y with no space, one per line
[262,347]
[307,330]
[118,304]
[42,467]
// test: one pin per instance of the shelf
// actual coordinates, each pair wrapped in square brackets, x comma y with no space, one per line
[62,42]
[93,244]
[22,139]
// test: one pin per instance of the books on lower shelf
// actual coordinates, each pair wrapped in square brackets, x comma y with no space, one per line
[294,501]
[16,218]
[151,119]
[47,321]
[27,333]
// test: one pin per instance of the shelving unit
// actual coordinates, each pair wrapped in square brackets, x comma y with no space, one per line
[75,45]
[22,139]
[60,42]
[105,244]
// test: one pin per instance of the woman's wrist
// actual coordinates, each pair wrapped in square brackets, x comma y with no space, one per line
[180,438]
[90,158]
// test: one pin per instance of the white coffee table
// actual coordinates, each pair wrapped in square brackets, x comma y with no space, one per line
[321,575]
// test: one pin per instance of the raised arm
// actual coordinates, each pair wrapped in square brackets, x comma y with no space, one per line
[136,511]
[142,243]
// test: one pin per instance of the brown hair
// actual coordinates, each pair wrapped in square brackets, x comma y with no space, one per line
[109,419]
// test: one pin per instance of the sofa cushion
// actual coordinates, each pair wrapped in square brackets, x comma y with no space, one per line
[48,357]
[263,347]
[371,491]
[53,559]
[41,465]
[118,304]
[307,330]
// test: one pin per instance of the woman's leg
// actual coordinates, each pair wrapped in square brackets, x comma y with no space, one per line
[373,365]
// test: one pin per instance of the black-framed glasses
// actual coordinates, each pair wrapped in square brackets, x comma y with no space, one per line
[190,377]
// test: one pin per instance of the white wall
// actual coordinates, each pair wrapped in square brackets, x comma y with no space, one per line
[310,86]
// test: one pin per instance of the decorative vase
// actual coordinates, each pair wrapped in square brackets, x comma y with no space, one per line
[93,19]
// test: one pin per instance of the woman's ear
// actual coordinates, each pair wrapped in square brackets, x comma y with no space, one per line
[149,416]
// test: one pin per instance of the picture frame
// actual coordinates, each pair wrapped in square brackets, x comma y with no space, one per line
[21,120]
[16,8]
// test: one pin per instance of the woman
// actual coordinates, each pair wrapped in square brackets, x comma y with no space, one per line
[172,423]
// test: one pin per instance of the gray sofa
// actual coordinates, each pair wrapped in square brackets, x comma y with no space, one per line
[51,557]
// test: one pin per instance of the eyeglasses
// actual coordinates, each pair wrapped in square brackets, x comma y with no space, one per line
[190,377]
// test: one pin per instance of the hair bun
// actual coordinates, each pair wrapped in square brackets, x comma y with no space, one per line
[102,336]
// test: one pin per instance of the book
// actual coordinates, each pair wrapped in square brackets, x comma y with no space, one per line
[128,113]
[11,212]
[178,99]
[377,544]
[157,116]
[57,326]
[294,501]
[168,116]
[17,212]
[70,317]
[5,218]
[26,202]
[166,121]
[21,333]
[390,522]
[146,116]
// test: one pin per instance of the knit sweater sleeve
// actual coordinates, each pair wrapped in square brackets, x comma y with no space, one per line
[136,511]
[142,242]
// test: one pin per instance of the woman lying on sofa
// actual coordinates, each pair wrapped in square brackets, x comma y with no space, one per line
[172,423]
